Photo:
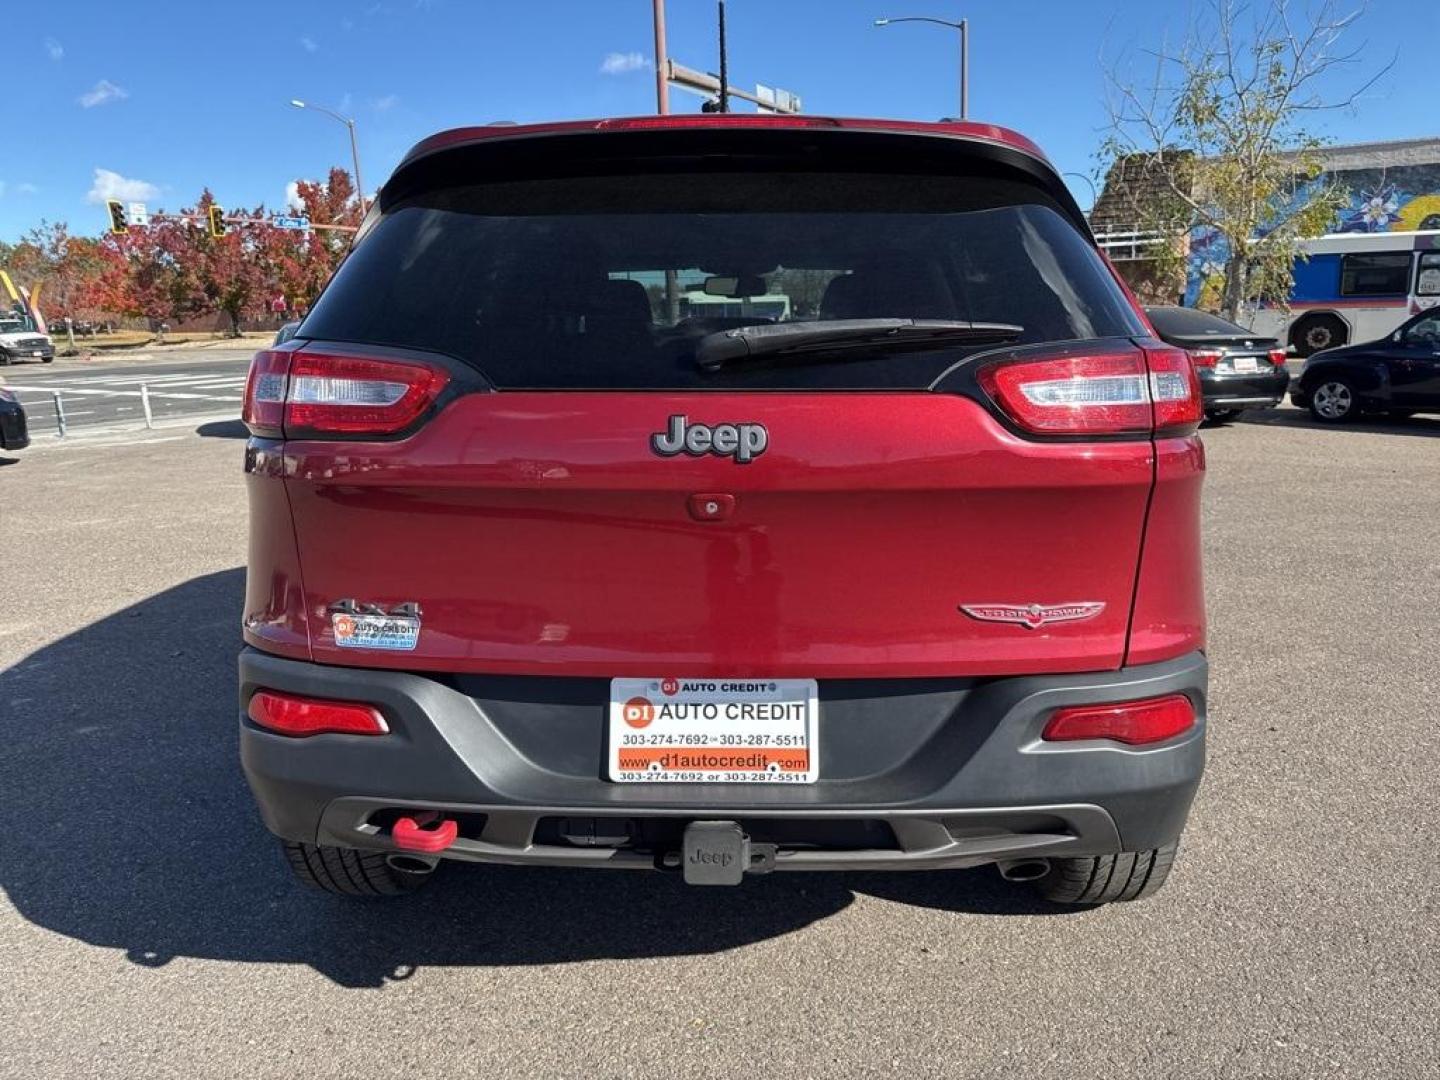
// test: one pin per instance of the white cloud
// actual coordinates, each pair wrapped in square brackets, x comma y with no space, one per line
[308,44]
[103,93]
[292,196]
[111,185]
[617,63]
[54,49]
[386,103]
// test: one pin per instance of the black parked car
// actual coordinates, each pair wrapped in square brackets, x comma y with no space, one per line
[1237,369]
[1399,375]
[14,433]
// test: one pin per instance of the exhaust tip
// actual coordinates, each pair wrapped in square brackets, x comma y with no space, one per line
[417,865]
[1023,869]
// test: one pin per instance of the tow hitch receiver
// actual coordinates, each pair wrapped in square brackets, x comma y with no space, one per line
[719,853]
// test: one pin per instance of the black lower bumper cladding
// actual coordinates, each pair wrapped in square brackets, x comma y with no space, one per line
[913,773]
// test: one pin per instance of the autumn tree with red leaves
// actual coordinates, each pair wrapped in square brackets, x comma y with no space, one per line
[173,269]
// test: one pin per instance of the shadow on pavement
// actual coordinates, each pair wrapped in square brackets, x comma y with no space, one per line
[223,429]
[133,829]
[8,461]
[1375,425]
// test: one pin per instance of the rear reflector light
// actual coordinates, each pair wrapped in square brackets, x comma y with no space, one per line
[286,714]
[1132,722]
[1278,357]
[300,394]
[1205,357]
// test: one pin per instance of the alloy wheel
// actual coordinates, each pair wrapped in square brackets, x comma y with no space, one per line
[1333,400]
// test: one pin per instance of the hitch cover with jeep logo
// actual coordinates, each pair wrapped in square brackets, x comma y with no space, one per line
[714,853]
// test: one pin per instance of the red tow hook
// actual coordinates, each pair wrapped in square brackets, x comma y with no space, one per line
[425,832]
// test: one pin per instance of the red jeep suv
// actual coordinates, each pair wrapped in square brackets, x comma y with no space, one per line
[725,495]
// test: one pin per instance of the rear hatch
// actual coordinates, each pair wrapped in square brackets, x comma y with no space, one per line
[505,418]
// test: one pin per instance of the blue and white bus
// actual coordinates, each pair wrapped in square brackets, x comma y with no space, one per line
[1355,287]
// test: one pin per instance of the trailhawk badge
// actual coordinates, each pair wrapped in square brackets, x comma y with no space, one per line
[1034,616]
[743,442]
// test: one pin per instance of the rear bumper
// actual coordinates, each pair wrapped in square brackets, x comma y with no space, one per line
[14,432]
[16,353]
[915,773]
[1243,391]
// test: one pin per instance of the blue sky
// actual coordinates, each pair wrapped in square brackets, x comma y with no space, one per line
[167,98]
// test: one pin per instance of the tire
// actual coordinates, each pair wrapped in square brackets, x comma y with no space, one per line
[47,359]
[1104,879]
[1334,401]
[1315,332]
[1222,416]
[348,872]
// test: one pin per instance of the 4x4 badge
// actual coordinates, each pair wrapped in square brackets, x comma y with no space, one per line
[743,442]
[1034,616]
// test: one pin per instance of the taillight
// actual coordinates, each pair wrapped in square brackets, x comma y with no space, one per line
[305,394]
[1278,357]
[1101,394]
[288,714]
[1205,357]
[264,408]
[1111,393]
[1175,388]
[1132,722]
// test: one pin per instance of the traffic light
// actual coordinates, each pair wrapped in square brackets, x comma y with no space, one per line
[217,220]
[119,223]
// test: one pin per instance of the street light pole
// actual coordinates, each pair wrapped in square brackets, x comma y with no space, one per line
[964,27]
[964,70]
[354,147]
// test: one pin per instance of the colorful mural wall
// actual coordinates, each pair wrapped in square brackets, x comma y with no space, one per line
[1391,200]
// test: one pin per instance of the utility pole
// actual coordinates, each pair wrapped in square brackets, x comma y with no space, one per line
[724,68]
[662,106]
[662,61]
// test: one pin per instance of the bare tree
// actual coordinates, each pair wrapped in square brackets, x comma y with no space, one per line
[1220,139]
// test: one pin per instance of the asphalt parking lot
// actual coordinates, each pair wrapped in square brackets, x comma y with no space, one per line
[149,929]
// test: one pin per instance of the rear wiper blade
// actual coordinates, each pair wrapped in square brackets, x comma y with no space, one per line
[798,342]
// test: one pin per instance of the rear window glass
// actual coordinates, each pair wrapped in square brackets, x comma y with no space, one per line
[609,283]
[1187,322]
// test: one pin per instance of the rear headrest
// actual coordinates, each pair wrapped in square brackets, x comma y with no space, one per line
[897,291]
[621,301]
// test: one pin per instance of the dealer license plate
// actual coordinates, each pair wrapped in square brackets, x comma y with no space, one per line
[720,731]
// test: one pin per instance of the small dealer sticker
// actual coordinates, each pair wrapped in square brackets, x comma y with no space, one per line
[375,631]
